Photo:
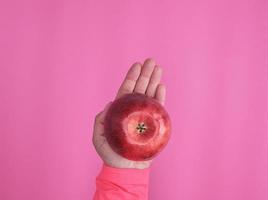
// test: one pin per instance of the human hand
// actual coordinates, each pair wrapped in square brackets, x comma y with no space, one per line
[140,78]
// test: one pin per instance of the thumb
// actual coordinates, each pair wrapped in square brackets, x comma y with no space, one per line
[107,106]
[99,119]
[103,113]
[98,125]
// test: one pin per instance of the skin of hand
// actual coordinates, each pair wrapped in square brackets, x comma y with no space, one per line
[141,78]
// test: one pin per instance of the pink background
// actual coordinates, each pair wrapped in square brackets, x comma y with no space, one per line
[61,61]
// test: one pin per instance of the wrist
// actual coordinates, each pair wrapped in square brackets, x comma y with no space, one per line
[129,165]
[124,175]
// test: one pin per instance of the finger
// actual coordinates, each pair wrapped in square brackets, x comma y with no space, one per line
[129,82]
[146,72]
[154,81]
[160,94]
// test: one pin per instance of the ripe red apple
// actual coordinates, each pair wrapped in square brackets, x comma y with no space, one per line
[137,127]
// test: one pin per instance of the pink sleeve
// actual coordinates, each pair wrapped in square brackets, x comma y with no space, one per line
[125,184]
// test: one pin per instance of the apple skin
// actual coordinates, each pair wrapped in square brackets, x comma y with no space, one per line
[137,127]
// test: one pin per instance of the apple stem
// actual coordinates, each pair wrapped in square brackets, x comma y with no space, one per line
[141,127]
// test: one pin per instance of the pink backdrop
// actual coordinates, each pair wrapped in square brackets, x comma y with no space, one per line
[61,61]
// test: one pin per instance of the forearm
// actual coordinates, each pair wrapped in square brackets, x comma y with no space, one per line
[126,184]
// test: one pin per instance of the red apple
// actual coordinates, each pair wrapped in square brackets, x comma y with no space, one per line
[137,127]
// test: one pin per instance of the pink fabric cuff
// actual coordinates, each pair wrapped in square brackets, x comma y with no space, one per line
[124,175]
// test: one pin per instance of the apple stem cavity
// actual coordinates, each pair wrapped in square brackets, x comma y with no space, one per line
[141,127]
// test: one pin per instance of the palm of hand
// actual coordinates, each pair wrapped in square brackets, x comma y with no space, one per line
[140,78]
